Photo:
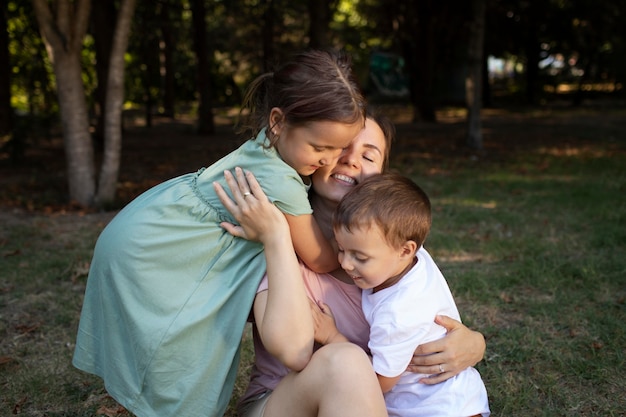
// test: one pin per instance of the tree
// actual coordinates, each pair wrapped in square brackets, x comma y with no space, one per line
[103,24]
[109,172]
[167,59]
[473,83]
[320,15]
[205,110]
[63,28]
[267,33]
[6,112]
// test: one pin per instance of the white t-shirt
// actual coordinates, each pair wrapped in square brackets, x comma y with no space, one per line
[401,317]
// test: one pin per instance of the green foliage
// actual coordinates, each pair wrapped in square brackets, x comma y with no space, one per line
[32,84]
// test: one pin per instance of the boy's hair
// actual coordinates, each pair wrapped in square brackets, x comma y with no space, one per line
[398,206]
[314,86]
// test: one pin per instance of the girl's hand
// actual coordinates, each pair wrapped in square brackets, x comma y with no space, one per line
[325,328]
[446,357]
[259,219]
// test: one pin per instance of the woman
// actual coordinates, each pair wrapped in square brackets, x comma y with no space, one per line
[336,379]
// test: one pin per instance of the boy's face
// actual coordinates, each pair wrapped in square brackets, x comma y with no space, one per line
[369,260]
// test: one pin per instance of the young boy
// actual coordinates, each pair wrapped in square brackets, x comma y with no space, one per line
[380,227]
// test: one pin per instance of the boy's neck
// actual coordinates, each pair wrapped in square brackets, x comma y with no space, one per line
[391,281]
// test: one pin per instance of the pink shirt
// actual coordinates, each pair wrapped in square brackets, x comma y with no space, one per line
[345,303]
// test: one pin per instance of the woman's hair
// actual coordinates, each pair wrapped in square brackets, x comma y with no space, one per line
[388,129]
[315,85]
[398,206]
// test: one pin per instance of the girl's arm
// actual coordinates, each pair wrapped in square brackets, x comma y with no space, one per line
[282,313]
[311,245]
[459,349]
[386,383]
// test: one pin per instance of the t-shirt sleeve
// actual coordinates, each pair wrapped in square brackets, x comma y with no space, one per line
[392,342]
[287,192]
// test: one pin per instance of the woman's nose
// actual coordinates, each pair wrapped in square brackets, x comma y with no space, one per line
[348,158]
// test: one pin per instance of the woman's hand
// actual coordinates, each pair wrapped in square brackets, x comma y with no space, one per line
[446,357]
[325,328]
[259,219]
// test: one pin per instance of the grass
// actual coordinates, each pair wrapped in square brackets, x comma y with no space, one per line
[531,240]
[534,252]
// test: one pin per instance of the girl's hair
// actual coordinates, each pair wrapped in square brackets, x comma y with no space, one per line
[398,206]
[314,86]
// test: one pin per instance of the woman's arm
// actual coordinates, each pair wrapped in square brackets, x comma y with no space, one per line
[282,312]
[311,245]
[446,357]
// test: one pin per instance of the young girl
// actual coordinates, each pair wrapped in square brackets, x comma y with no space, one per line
[169,290]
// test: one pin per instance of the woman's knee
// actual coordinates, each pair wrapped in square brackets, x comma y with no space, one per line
[343,360]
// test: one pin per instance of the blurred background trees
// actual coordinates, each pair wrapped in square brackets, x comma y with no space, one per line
[195,57]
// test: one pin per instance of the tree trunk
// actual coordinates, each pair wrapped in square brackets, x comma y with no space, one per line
[6,113]
[103,21]
[319,18]
[473,81]
[205,110]
[532,50]
[418,48]
[267,34]
[115,98]
[167,60]
[63,35]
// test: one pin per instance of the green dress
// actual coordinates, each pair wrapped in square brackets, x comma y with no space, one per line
[169,291]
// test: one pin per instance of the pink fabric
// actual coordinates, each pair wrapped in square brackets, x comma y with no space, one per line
[345,303]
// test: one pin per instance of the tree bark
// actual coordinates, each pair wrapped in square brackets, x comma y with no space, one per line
[417,31]
[167,60]
[319,21]
[473,81]
[103,21]
[109,172]
[205,111]
[6,112]
[532,50]
[267,34]
[63,34]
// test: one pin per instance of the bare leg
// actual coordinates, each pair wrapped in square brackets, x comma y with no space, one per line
[338,382]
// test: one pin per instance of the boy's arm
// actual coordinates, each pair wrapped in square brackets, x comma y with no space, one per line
[311,245]
[386,383]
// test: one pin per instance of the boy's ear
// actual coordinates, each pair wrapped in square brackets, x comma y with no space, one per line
[409,248]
